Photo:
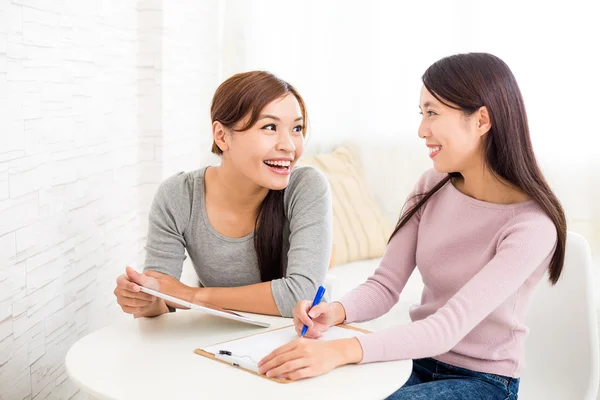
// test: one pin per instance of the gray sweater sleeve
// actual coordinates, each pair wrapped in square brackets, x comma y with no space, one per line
[309,211]
[169,216]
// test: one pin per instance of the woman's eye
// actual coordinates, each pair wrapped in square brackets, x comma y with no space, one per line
[431,113]
[298,128]
[270,127]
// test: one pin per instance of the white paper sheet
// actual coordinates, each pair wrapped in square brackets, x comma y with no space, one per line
[254,348]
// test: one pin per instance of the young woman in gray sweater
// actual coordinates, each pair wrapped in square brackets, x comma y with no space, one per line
[257,229]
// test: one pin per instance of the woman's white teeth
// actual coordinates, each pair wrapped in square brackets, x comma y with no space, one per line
[434,149]
[286,163]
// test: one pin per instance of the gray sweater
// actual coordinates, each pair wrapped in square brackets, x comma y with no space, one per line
[178,222]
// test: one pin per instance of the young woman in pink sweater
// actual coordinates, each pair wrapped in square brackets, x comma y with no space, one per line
[483,227]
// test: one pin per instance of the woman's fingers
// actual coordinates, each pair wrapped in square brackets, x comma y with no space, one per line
[125,298]
[279,357]
[298,325]
[138,295]
[318,310]
[141,279]
[132,303]
[124,282]
[301,313]
[297,360]
[127,288]
[298,374]
[314,318]
[129,296]
[293,364]
[311,333]
[281,350]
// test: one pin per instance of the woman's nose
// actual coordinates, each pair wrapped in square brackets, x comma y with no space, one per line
[423,130]
[285,142]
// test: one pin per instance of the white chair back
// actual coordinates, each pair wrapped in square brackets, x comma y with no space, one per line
[561,351]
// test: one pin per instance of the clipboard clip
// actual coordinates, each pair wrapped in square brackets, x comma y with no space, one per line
[245,362]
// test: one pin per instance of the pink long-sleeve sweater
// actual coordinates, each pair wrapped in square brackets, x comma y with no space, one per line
[480,263]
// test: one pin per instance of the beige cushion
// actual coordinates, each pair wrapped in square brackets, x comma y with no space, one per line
[360,230]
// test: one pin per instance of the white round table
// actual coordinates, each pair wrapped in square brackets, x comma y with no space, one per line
[153,358]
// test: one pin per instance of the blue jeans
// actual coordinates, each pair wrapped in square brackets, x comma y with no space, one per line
[432,379]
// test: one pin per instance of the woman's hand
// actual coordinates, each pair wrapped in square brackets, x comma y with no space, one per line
[304,358]
[173,287]
[132,301]
[318,318]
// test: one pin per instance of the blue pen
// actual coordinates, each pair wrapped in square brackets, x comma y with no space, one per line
[317,300]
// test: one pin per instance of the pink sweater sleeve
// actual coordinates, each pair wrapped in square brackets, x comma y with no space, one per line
[524,247]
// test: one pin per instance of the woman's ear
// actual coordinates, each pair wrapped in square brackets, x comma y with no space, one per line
[484,123]
[220,136]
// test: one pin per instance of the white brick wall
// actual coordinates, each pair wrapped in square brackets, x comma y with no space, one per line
[99,101]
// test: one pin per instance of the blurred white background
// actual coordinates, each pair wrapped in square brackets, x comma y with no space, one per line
[102,100]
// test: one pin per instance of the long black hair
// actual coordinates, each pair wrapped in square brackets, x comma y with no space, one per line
[468,82]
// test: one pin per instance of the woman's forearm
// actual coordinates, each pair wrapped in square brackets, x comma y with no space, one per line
[257,298]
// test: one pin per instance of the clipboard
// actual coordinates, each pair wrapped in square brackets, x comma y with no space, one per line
[245,365]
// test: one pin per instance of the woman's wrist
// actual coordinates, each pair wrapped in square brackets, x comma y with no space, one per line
[349,350]
[200,295]
[339,313]
[190,294]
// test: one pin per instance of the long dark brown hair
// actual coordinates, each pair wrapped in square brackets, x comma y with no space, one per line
[244,96]
[468,82]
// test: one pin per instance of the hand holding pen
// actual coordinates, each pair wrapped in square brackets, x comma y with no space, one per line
[311,319]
